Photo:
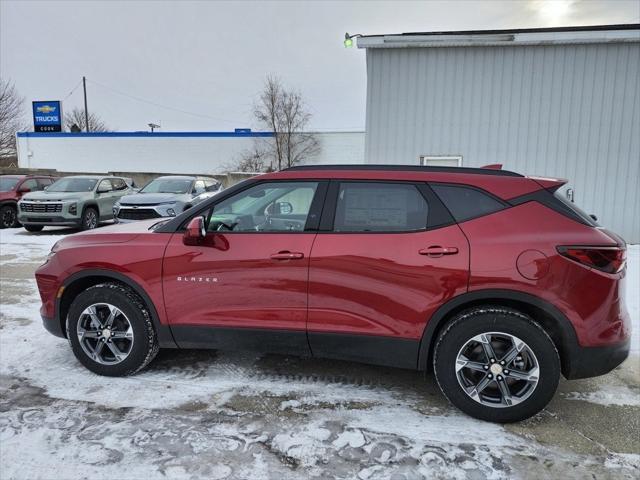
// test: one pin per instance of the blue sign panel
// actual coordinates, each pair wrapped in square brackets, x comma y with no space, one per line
[47,116]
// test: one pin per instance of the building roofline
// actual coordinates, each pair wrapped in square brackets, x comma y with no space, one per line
[142,134]
[519,36]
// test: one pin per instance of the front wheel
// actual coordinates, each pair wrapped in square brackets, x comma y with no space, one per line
[8,217]
[110,330]
[496,364]
[89,219]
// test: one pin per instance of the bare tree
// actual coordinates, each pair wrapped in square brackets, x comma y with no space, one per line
[75,122]
[252,160]
[11,117]
[283,112]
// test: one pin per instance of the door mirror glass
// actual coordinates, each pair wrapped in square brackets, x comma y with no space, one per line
[195,232]
[24,189]
[280,208]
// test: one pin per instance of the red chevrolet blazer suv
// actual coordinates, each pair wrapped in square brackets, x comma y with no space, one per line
[487,277]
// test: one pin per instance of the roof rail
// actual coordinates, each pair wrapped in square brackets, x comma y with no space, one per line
[408,168]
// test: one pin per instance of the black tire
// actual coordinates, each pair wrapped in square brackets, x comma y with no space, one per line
[145,342]
[9,217]
[90,219]
[33,228]
[482,320]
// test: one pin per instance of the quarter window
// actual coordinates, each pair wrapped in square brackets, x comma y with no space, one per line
[380,207]
[465,203]
[267,207]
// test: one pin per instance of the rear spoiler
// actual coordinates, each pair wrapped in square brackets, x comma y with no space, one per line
[551,184]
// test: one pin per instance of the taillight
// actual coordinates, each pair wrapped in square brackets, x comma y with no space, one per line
[607,259]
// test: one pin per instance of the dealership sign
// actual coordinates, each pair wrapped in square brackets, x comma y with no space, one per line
[47,116]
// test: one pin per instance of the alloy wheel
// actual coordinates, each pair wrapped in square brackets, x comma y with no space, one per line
[105,333]
[8,217]
[91,219]
[497,369]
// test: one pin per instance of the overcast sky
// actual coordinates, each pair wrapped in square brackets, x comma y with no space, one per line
[210,58]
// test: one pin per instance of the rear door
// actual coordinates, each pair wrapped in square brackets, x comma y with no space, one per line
[387,256]
[246,284]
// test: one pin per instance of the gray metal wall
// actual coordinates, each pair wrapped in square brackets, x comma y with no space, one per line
[570,111]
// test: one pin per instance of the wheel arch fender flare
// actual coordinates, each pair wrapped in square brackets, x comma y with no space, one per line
[90,204]
[165,336]
[564,328]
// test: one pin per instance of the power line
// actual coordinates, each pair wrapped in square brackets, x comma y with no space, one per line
[143,100]
[73,90]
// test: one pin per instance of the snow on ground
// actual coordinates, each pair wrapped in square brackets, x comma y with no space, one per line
[195,414]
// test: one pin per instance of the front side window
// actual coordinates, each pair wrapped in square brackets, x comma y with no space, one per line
[73,185]
[268,207]
[31,185]
[119,184]
[105,186]
[380,207]
[198,187]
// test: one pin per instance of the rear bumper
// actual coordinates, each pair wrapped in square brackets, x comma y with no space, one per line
[585,362]
[53,326]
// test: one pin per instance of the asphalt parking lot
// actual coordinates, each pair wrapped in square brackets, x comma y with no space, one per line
[209,414]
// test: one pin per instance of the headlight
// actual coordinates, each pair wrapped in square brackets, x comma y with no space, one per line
[52,253]
[171,212]
[73,209]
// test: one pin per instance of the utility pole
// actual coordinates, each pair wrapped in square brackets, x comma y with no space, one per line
[86,112]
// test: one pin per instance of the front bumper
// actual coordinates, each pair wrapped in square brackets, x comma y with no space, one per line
[586,362]
[31,220]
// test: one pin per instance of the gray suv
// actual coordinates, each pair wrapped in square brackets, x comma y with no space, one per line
[165,197]
[81,201]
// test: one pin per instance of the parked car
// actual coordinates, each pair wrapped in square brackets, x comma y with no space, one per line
[485,276]
[12,188]
[165,196]
[81,201]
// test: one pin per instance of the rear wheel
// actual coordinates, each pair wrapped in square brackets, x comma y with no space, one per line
[33,228]
[110,330]
[8,217]
[89,219]
[496,364]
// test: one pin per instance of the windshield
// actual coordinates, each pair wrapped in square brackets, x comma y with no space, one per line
[168,185]
[7,183]
[73,185]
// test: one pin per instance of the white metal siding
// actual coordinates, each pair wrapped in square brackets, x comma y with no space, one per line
[155,153]
[569,111]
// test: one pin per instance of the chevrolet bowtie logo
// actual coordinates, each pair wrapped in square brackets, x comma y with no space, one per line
[45,109]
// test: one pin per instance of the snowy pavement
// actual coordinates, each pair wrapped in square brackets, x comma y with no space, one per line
[207,414]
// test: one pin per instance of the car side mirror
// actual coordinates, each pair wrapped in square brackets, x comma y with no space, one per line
[282,208]
[46,187]
[24,190]
[195,232]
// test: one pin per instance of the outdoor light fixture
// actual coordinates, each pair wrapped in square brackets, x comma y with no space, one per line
[348,39]
[153,126]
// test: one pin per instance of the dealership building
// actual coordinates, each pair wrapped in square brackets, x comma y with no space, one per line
[562,102]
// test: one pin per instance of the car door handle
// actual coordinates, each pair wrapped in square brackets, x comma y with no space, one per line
[438,251]
[287,255]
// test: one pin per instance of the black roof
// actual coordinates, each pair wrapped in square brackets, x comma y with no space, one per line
[580,28]
[408,168]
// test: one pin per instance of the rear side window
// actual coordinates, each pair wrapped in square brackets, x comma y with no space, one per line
[466,203]
[380,207]
[577,211]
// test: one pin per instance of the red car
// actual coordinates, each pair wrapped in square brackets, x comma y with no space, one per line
[485,276]
[12,187]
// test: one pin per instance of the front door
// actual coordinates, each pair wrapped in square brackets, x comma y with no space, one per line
[391,257]
[247,283]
